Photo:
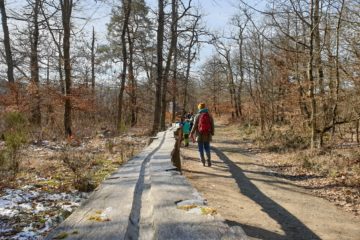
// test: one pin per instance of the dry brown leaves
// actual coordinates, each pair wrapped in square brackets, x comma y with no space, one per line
[342,188]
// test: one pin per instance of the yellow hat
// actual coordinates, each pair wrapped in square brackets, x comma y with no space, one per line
[201,106]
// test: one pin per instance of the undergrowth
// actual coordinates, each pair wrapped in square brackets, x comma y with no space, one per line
[15,137]
[340,165]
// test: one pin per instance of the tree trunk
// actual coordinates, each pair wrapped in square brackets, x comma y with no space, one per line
[66,8]
[60,67]
[189,58]
[300,89]
[261,86]
[159,78]
[319,67]
[337,69]
[174,92]
[50,109]
[8,55]
[241,67]
[232,89]
[311,79]
[132,81]
[215,93]
[93,62]
[127,10]
[357,131]
[173,44]
[36,111]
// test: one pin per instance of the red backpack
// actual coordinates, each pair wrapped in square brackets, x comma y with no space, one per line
[204,123]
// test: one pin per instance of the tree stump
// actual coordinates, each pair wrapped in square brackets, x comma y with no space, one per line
[175,154]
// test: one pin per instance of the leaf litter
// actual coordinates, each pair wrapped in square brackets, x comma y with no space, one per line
[42,195]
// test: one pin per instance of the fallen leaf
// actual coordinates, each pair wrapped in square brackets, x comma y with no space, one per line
[208,211]
[186,207]
[61,235]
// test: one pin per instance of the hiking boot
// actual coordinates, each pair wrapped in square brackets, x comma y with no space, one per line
[203,162]
[209,163]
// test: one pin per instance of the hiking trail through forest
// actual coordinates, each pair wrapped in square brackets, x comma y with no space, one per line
[247,194]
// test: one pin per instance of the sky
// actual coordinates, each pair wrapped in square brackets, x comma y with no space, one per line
[97,13]
[216,15]
[216,12]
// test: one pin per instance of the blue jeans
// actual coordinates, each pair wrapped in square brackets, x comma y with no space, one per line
[204,146]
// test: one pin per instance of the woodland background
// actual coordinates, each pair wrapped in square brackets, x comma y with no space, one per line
[74,104]
[287,74]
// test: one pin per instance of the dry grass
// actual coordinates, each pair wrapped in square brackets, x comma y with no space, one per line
[92,163]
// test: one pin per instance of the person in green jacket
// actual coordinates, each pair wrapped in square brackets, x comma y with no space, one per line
[186,131]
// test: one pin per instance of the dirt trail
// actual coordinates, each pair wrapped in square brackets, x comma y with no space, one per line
[245,193]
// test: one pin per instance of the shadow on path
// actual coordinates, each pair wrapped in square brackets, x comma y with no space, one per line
[133,229]
[292,227]
[257,232]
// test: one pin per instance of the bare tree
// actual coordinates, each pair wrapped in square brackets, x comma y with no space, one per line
[225,52]
[191,54]
[160,77]
[8,55]
[132,82]
[127,11]
[173,44]
[311,78]
[175,19]
[93,61]
[337,66]
[34,63]
[239,37]
[66,10]
[57,41]
[214,80]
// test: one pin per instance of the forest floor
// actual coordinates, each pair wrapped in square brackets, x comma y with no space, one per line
[269,197]
[44,191]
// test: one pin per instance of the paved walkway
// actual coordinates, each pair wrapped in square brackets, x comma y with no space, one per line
[146,199]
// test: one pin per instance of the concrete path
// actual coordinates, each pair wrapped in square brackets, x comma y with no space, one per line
[146,199]
[265,205]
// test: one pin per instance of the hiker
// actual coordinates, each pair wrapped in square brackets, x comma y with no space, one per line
[183,113]
[188,115]
[186,131]
[204,129]
[191,119]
